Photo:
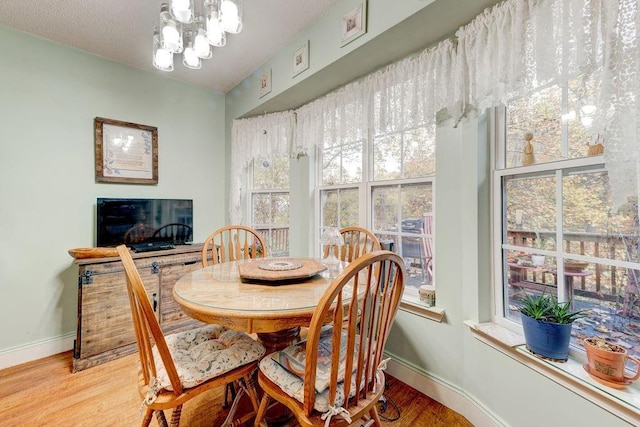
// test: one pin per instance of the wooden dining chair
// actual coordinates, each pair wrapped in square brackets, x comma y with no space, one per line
[232,243]
[175,368]
[342,355]
[357,242]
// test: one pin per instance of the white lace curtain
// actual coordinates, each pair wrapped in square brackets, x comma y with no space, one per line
[519,45]
[405,94]
[265,137]
[505,52]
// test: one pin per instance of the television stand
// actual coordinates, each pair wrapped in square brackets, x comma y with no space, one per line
[104,327]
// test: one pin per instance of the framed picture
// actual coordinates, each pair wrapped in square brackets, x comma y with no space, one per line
[301,59]
[125,152]
[354,23]
[265,83]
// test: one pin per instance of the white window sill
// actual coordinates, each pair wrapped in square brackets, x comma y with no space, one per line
[432,313]
[623,403]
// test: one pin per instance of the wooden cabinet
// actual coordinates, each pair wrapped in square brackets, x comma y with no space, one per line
[105,329]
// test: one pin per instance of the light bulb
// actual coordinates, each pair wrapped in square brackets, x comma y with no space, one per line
[230,17]
[201,45]
[183,16]
[163,60]
[215,33]
[170,34]
[229,8]
[181,9]
[191,59]
[171,39]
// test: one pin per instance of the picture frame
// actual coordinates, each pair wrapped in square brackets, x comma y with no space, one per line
[300,59]
[354,23]
[125,153]
[265,83]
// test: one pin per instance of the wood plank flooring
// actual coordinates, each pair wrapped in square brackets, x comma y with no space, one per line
[45,392]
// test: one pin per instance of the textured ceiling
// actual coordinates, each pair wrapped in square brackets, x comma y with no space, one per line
[121,30]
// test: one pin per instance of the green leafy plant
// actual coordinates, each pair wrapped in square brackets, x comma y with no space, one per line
[541,240]
[546,308]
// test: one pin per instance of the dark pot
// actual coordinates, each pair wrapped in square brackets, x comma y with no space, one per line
[547,339]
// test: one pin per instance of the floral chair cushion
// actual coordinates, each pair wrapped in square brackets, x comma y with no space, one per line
[204,353]
[293,385]
[293,359]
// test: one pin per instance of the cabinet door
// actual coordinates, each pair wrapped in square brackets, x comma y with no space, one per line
[106,322]
[172,318]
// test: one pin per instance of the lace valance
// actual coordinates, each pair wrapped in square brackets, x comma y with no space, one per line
[267,137]
[506,52]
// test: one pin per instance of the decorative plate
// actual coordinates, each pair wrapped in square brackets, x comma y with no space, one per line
[279,271]
[280,265]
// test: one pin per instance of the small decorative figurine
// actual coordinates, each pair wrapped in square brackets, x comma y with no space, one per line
[528,158]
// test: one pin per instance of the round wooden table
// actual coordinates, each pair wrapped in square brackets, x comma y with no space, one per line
[275,310]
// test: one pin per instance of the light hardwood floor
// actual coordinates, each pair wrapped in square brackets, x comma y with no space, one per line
[45,392]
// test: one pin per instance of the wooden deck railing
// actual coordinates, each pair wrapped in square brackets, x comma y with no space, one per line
[607,281]
[277,239]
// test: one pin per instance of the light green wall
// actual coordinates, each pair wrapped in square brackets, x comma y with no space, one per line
[49,97]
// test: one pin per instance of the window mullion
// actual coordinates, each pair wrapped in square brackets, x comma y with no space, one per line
[559,238]
[564,124]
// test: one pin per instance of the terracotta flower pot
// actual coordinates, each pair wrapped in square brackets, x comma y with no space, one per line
[607,361]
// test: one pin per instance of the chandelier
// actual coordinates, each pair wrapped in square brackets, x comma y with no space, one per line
[182,30]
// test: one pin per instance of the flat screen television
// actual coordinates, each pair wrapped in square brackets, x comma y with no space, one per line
[132,221]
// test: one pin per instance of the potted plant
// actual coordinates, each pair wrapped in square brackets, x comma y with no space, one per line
[547,325]
[607,361]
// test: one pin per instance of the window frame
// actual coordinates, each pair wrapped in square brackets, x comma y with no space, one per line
[365,190]
[498,222]
[252,192]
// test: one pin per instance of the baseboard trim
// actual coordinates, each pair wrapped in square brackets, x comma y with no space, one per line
[35,350]
[449,395]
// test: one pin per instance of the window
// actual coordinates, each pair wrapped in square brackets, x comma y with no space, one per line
[270,203]
[395,187]
[557,228]
[341,175]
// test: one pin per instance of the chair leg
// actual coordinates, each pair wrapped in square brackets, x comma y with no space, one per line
[229,421]
[228,389]
[375,417]
[146,417]
[162,420]
[264,403]
[175,416]
[252,392]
